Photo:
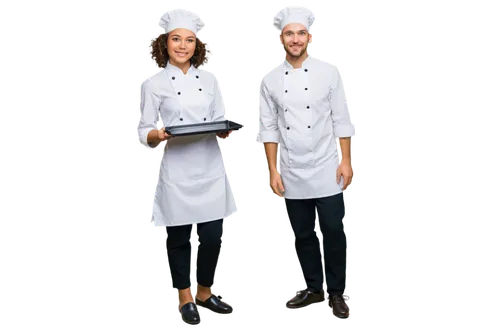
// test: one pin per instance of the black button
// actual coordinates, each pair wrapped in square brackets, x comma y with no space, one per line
[179,93]
[181,119]
[306,88]
[173,77]
[286,73]
[308,126]
[197,77]
[286,91]
[288,128]
[305,70]
[308,106]
[205,119]
[286,110]
[200,89]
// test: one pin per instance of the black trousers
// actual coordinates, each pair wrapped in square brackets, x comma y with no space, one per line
[302,214]
[179,253]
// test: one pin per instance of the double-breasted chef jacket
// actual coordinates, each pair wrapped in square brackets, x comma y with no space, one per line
[304,110]
[192,185]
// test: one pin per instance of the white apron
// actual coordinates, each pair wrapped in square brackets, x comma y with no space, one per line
[192,185]
[303,110]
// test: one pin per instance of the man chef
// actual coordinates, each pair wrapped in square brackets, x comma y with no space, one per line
[303,108]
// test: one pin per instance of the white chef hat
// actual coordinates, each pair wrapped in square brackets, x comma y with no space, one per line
[293,15]
[180,18]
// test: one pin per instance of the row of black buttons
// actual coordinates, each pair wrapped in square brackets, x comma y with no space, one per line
[173,77]
[180,92]
[286,73]
[305,70]
[287,90]
[205,119]
[289,127]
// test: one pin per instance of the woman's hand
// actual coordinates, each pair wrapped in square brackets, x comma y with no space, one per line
[162,135]
[276,183]
[345,170]
[224,135]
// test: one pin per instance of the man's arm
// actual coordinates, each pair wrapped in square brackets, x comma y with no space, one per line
[271,154]
[345,147]
[341,116]
[269,134]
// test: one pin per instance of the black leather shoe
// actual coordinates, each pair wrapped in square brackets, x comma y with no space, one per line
[190,313]
[304,298]
[337,303]
[215,304]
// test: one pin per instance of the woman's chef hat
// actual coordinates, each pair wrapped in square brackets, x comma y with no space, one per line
[293,15]
[180,18]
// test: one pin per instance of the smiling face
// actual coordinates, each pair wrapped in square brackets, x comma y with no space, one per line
[295,38]
[181,44]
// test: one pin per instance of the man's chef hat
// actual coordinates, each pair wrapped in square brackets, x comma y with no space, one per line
[180,18]
[293,15]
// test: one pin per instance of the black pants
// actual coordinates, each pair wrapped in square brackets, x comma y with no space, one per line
[179,253]
[302,216]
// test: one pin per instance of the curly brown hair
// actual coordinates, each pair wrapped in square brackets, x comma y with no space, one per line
[160,55]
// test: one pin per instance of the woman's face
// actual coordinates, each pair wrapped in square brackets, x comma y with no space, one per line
[181,44]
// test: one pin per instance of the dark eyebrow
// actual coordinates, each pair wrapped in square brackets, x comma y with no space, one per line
[181,36]
[297,31]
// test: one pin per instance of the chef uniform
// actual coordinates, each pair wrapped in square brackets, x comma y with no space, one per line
[192,187]
[304,110]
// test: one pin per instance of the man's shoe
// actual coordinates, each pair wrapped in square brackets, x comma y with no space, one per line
[303,299]
[339,307]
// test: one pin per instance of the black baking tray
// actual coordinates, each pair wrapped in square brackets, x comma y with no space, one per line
[203,128]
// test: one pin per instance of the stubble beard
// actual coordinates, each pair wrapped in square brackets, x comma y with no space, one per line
[294,56]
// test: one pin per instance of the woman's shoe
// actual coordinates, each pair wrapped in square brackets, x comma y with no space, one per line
[190,314]
[215,304]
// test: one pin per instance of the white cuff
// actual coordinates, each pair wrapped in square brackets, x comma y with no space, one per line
[269,136]
[344,130]
[143,136]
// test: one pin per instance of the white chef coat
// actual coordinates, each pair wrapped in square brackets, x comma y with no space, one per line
[303,110]
[192,185]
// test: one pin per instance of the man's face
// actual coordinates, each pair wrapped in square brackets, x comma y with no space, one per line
[295,38]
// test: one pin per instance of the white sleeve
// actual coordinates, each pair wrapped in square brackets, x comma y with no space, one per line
[150,104]
[268,129]
[218,109]
[342,126]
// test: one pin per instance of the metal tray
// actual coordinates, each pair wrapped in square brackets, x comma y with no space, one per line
[203,128]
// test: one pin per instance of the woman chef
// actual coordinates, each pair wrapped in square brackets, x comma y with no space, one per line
[192,187]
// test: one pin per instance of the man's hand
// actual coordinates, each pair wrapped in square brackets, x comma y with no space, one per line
[277,184]
[224,135]
[345,170]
